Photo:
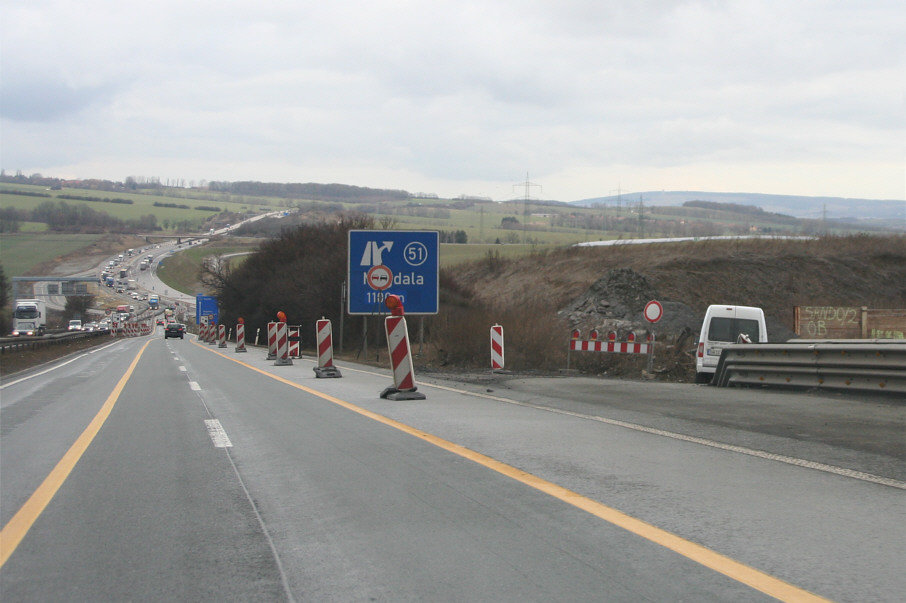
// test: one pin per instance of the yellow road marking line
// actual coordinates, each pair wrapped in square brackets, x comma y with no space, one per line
[17,527]
[756,579]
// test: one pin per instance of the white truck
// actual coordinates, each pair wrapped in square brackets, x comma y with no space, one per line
[29,317]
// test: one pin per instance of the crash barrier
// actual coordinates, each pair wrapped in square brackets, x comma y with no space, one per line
[496,348]
[240,338]
[282,344]
[271,341]
[401,361]
[293,334]
[221,336]
[28,344]
[867,365]
[324,337]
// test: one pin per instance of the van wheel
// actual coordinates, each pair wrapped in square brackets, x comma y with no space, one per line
[703,378]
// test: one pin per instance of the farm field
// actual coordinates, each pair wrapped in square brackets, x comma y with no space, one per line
[142,204]
[23,252]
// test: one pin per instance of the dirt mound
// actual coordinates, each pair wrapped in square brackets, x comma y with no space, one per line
[616,302]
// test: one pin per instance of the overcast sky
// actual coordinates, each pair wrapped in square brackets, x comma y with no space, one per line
[587,97]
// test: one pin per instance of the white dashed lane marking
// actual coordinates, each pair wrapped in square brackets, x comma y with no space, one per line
[218,435]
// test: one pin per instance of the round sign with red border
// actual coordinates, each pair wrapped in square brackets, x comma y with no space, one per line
[379,277]
[653,311]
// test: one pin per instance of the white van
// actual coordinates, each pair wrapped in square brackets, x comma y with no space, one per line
[724,325]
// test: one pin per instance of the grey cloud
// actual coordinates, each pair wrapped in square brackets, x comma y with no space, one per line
[49,100]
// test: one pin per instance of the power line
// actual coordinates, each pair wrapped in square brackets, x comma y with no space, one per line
[527,185]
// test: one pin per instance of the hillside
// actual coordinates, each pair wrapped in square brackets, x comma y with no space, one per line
[541,290]
[815,208]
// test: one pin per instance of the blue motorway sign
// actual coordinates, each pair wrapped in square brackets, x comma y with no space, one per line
[398,262]
[205,305]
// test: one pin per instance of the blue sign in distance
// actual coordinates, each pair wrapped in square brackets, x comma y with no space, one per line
[205,305]
[393,262]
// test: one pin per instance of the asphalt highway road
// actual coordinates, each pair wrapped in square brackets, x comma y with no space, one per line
[168,470]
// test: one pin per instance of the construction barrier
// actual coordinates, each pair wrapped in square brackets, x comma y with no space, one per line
[212,334]
[401,360]
[240,338]
[283,358]
[271,341]
[593,344]
[130,329]
[324,337]
[496,348]
[221,335]
[295,340]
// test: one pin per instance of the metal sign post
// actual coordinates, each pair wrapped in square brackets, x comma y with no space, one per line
[654,311]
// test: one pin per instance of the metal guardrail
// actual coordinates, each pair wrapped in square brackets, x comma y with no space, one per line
[13,345]
[868,365]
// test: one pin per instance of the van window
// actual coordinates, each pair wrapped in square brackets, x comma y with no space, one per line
[728,329]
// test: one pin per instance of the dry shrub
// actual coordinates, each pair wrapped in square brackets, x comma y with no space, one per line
[534,338]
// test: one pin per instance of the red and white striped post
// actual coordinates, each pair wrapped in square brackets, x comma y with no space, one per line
[295,340]
[324,337]
[400,354]
[221,335]
[497,348]
[271,341]
[283,358]
[240,338]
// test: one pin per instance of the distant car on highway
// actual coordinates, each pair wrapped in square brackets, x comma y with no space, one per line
[175,329]
[74,325]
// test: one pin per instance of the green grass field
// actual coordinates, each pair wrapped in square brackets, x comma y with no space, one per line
[20,252]
[143,204]
[180,271]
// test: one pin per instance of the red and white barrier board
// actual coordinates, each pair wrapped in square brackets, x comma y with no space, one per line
[324,332]
[221,336]
[618,347]
[282,338]
[496,348]
[401,361]
[240,338]
[324,337]
[271,341]
[294,337]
